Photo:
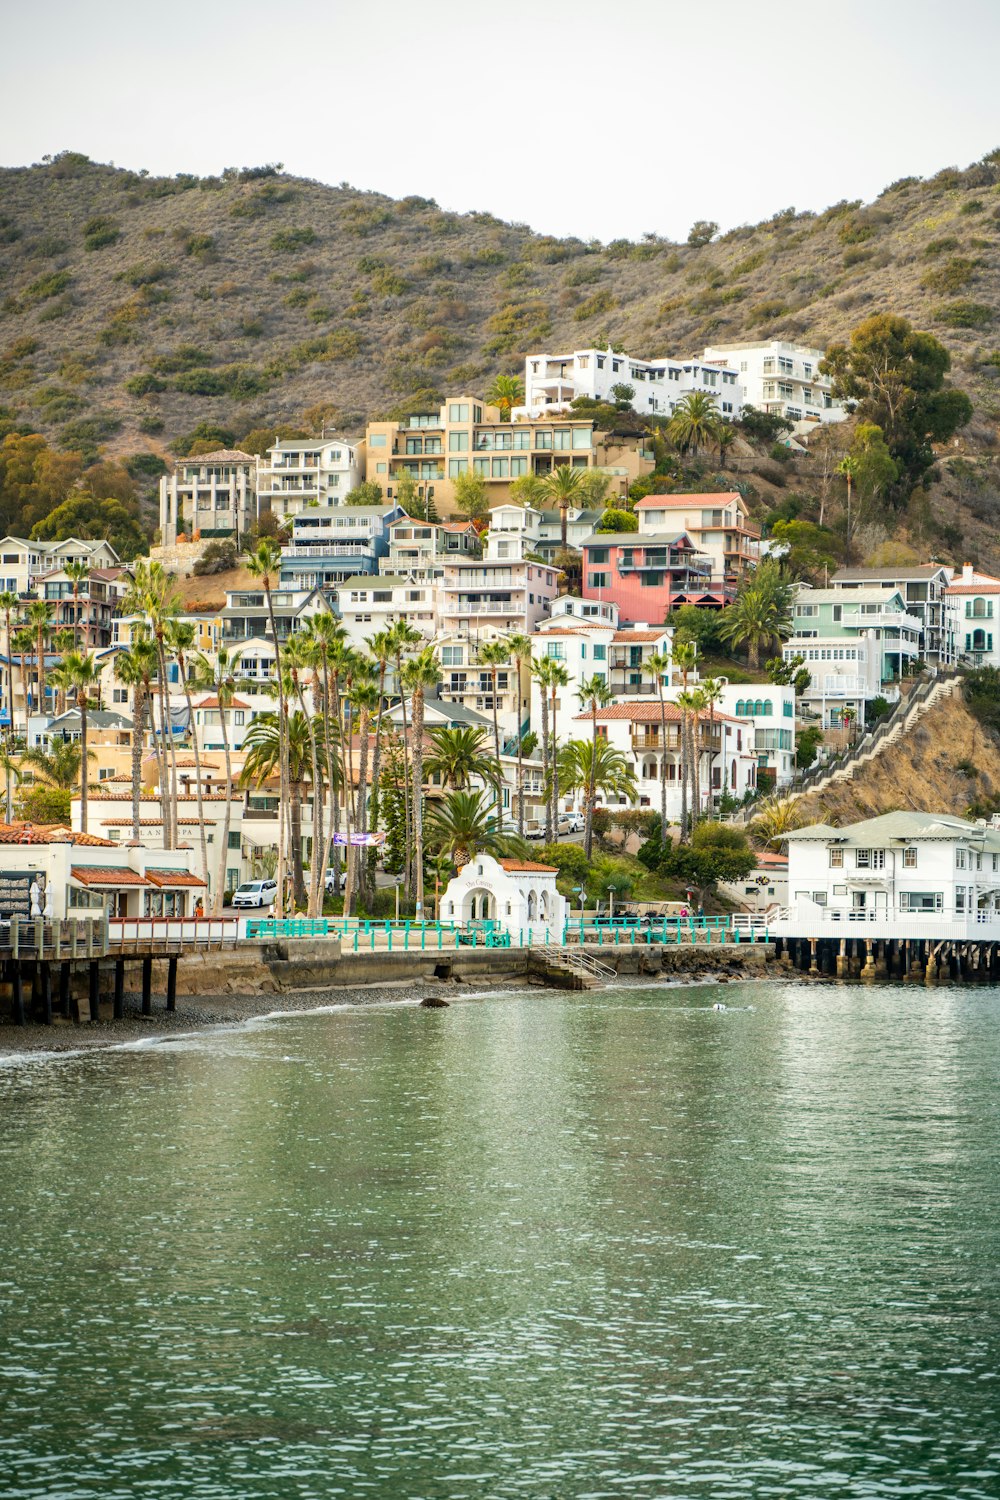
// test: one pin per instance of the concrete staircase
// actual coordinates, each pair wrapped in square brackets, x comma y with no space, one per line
[574,967]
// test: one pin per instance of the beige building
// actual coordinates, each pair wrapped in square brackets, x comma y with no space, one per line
[466,436]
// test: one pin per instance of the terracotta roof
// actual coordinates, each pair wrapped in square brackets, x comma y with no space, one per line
[649,713]
[526,866]
[173,877]
[656,502]
[49,833]
[214,703]
[155,797]
[206,765]
[640,636]
[985,586]
[112,875]
[146,823]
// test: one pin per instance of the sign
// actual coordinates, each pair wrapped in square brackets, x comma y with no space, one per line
[15,891]
[360,840]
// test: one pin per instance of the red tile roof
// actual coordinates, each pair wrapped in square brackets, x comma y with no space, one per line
[527,866]
[173,877]
[113,875]
[214,703]
[657,502]
[640,636]
[49,833]
[649,713]
[984,586]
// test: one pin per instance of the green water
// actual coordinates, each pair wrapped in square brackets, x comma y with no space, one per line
[615,1244]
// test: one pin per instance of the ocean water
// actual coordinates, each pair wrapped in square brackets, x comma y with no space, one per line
[552,1245]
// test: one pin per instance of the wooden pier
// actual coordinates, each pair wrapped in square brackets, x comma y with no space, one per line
[929,961]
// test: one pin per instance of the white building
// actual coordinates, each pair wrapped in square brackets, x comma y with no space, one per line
[332,543]
[82,876]
[571,607]
[505,590]
[771,709]
[304,473]
[973,607]
[418,549]
[903,875]
[782,378]
[23,562]
[464,680]
[209,496]
[584,649]
[519,895]
[554,380]
[924,589]
[371,602]
[856,646]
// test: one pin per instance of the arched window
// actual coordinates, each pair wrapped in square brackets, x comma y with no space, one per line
[758,707]
[531,906]
[979,640]
[740,708]
[768,707]
[979,608]
[733,777]
[649,770]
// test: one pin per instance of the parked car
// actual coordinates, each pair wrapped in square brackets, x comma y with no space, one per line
[534,829]
[329,882]
[571,823]
[256,893]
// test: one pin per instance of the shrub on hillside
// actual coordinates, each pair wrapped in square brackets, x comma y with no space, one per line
[218,557]
[951,277]
[100,231]
[964,314]
[289,240]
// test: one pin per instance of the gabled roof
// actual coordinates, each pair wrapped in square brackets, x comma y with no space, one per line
[213,702]
[680,502]
[49,833]
[114,875]
[890,575]
[899,827]
[636,539]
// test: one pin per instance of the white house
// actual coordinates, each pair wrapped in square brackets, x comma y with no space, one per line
[211,495]
[82,876]
[718,525]
[772,710]
[973,606]
[22,562]
[902,875]
[554,380]
[302,473]
[569,608]
[783,378]
[371,602]
[519,895]
[505,590]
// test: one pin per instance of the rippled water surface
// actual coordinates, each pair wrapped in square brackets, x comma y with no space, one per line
[616,1244]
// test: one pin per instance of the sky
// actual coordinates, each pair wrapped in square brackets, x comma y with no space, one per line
[602,120]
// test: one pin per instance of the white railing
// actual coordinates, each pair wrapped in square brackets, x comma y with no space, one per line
[145,932]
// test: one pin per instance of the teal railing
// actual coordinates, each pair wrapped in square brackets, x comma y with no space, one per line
[360,935]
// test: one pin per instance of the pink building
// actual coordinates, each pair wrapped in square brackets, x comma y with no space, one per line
[646,575]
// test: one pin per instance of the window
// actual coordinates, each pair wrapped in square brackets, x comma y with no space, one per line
[960,898]
[788,709]
[870,859]
[458,411]
[598,554]
[555,650]
[381,468]
[909,859]
[581,437]
[234,841]
[458,442]
[921,901]
[598,580]
[601,654]
[836,859]
[518,467]
[959,859]
[457,466]
[481,466]
[543,440]
[377,440]
[501,468]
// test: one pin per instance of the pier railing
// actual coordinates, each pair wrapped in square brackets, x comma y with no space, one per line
[360,936]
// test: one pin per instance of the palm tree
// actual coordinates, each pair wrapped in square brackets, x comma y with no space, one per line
[592,694]
[541,671]
[419,674]
[58,766]
[657,666]
[153,593]
[848,466]
[760,613]
[179,640]
[217,676]
[136,667]
[380,649]
[695,422]
[774,818]
[685,660]
[725,437]
[23,643]
[295,658]
[39,622]
[78,573]
[558,678]
[506,392]
[324,639]
[263,564]
[460,754]
[592,766]
[712,690]
[366,700]
[695,703]
[81,674]
[563,486]
[404,638]
[269,741]
[9,602]
[463,824]
[493,656]
[519,648]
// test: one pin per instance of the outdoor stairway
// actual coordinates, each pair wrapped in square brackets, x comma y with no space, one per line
[576,961]
[904,717]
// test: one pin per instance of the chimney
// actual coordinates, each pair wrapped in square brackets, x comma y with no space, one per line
[967,571]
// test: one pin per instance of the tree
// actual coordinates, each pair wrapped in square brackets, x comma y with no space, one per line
[24,643]
[58,766]
[564,487]
[77,572]
[408,497]
[558,678]
[44,804]
[493,655]
[92,519]
[136,667]
[894,376]
[458,755]
[695,423]
[272,743]
[506,392]
[873,469]
[9,602]
[685,660]
[592,766]
[463,824]
[263,564]
[657,666]
[419,674]
[405,639]
[528,490]
[81,675]
[792,673]
[153,594]
[702,232]
[519,646]
[218,557]
[469,496]
[775,817]
[717,851]
[618,520]
[761,611]
[180,639]
[807,743]
[624,395]
[809,551]
[592,694]
[595,489]
[39,621]
[763,426]
[366,493]
[541,671]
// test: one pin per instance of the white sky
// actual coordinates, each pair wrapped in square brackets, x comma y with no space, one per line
[592,118]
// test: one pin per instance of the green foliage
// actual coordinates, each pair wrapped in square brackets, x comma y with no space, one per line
[807,743]
[241,382]
[43,804]
[950,277]
[201,246]
[366,493]
[84,515]
[702,232]
[517,325]
[87,434]
[48,286]
[812,549]
[100,231]
[144,384]
[982,695]
[762,426]
[218,557]
[964,314]
[145,466]
[600,302]
[289,240]
[972,206]
[144,273]
[184,357]
[618,520]
[700,627]
[940,247]
[205,432]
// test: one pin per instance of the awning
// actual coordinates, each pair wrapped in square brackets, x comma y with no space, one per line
[113,875]
[174,878]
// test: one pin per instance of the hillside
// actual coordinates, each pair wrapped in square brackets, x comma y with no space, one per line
[249,299]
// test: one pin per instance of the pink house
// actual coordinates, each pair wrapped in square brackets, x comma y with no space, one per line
[647,574]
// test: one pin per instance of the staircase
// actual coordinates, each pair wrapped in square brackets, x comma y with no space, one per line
[586,970]
[904,717]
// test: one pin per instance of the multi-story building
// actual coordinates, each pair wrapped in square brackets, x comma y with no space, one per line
[246,616]
[856,645]
[329,546]
[925,592]
[570,607]
[718,525]
[772,711]
[502,591]
[465,436]
[782,378]
[646,575]
[368,604]
[465,681]
[584,649]
[628,662]
[417,549]
[85,606]
[303,473]
[212,495]
[23,562]
[552,381]
[580,524]
[973,605]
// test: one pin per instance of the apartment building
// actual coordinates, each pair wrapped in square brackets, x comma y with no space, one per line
[584,649]
[580,524]
[782,378]
[466,436]
[925,590]
[856,644]
[973,605]
[212,495]
[647,575]
[553,381]
[503,591]
[23,562]
[303,473]
[246,616]
[631,649]
[327,546]
[417,549]
[87,607]
[368,604]
[570,607]
[465,681]
[718,525]
[771,709]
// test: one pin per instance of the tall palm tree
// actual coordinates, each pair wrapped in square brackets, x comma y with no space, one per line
[136,667]
[366,701]
[58,766]
[519,647]
[268,741]
[848,467]
[592,766]
[563,486]
[296,656]
[263,564]
[81,675]
[506,392]
[9,602]
[712,689]
[419,674]
[78,572]
[405,639]
[685,660]
[217,675]
[324,639]
[558,678]
[761,611]
[460,754]
[153,594]
[180,638]
[24,644]
[541,671]
[657,665]
[462,824]
[592,694]
[380,649]
[696,705]
[494,655]
[39,622]
[695,422]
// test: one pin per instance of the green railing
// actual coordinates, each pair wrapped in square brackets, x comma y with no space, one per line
[629,932]
[360,935]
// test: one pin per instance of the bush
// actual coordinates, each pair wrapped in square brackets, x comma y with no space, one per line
[964,314]
[184,357]
[145,466]
[199,245]
[287,240]
[144,384]
[143,274]
[762,426]
[600,302]
[951,277]
[973,206]
[749,263]
[218,557]
[43,804]
[702,231]
[940,247]
[48,286]
[100,231]
[617,520]
[200,383]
